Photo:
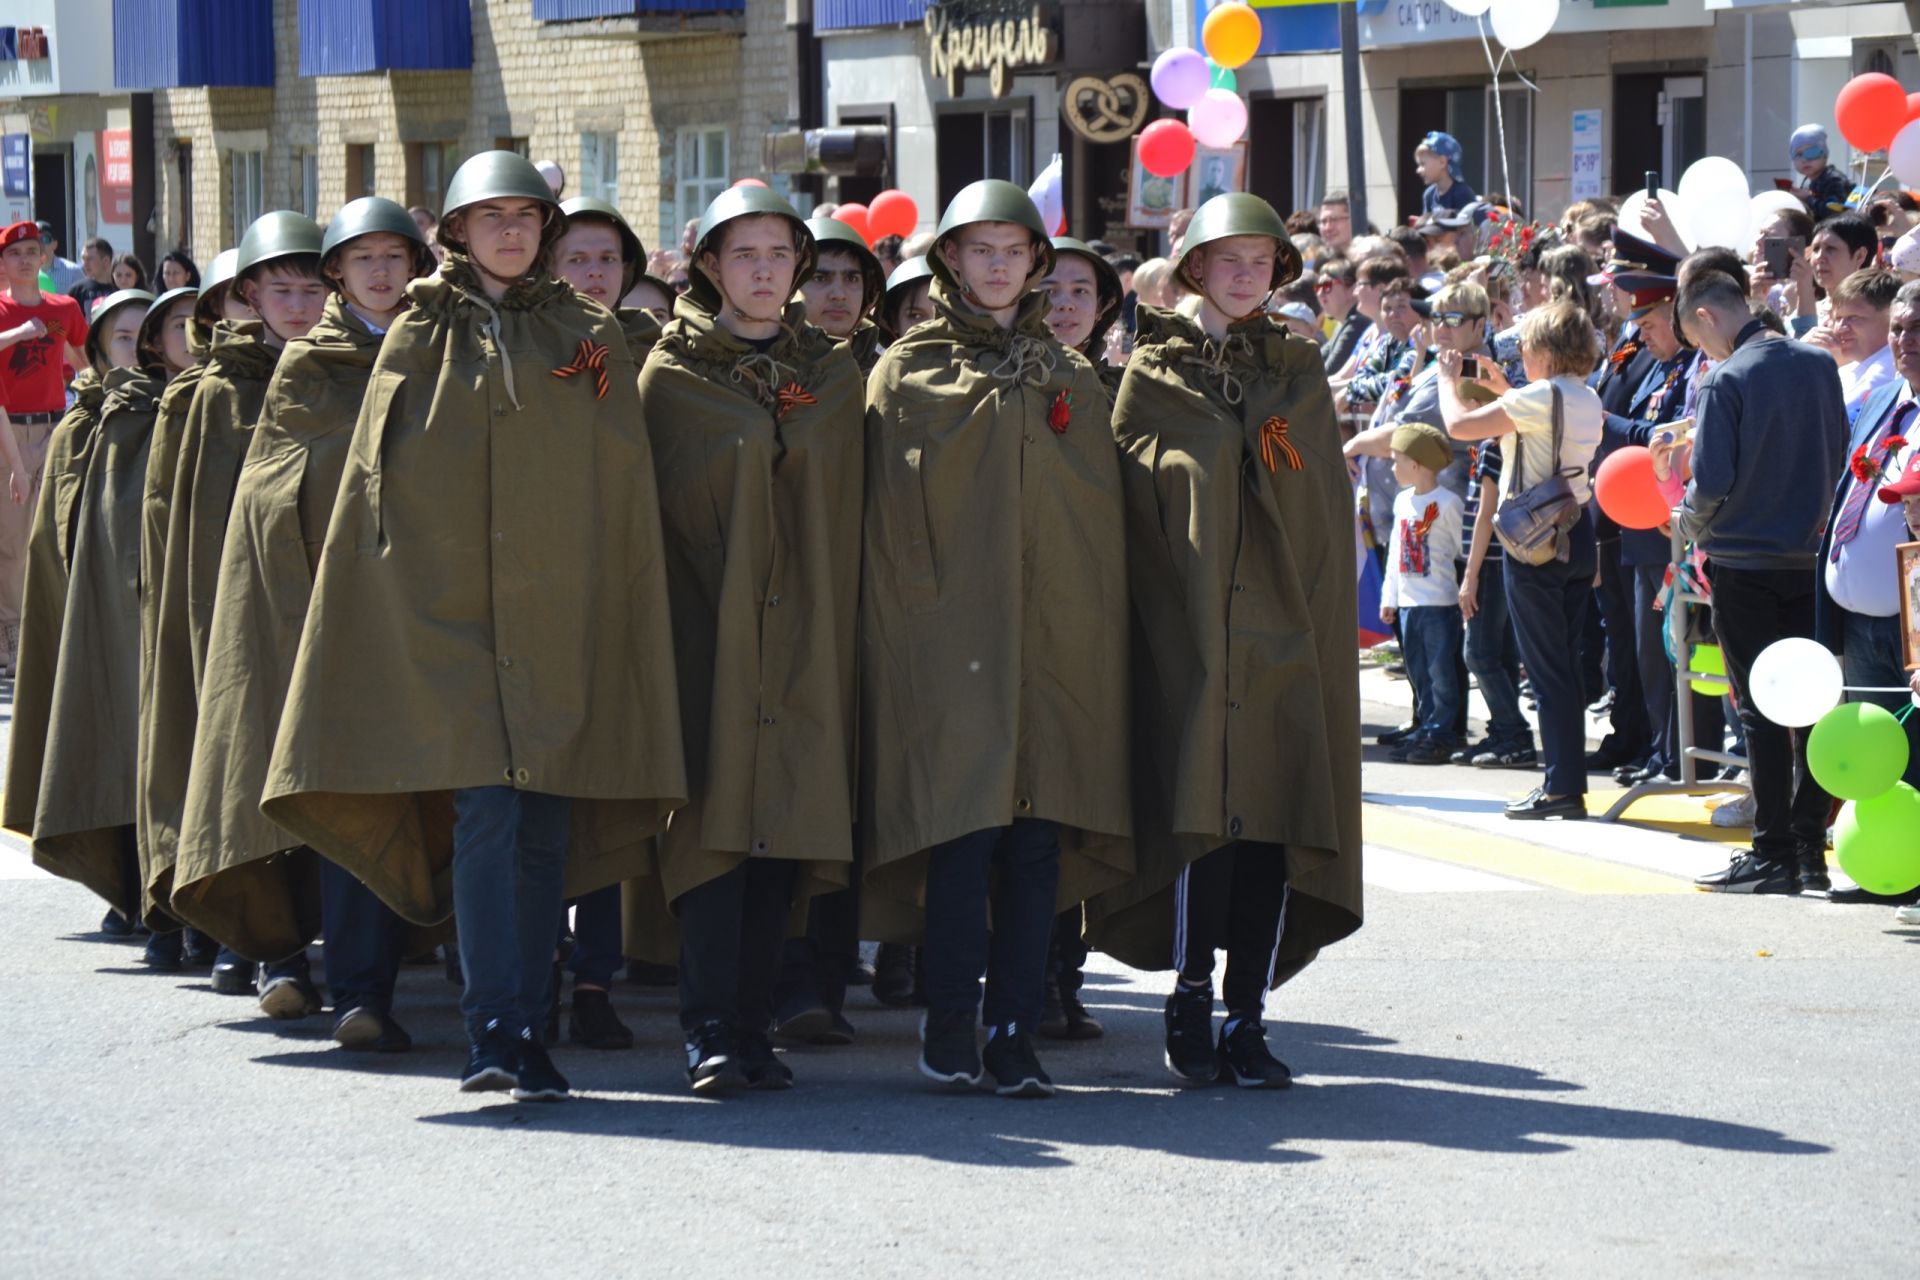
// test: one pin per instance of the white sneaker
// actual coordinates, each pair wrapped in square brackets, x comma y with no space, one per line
[1737,812]
[1906,915]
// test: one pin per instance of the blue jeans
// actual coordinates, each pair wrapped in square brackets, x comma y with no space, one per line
[1432,637]
[1017,870]
[1493,656]
[509,881]
[365,940]
[597,942]
[1871,657]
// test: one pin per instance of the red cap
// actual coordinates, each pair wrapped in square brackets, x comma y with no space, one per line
[1908,485]
[18,233]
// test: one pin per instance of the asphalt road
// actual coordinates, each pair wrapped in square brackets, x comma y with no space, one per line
[1543,1055]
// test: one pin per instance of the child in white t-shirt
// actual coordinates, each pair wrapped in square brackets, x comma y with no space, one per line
[1422,588]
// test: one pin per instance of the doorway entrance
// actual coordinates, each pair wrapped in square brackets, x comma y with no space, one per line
[1659,126]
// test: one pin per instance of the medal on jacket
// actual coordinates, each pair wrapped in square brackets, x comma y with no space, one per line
[792,396]
[1274,445]
[592,355]
[1060,413]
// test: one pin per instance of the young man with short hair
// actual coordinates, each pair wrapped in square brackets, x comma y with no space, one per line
[1856,332]
[96,261]
[1336,222]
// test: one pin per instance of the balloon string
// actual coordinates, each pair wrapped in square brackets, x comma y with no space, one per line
[1499,106]
[1904,713]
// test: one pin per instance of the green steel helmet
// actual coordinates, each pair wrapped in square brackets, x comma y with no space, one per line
[742,202]
[497,175]
[215,281]
[912,271]
[279,234]
[1238,214]
[992,200]
[371,215]
[1105,279]
[831,233]
[149,339]
[102,312]
[632,251]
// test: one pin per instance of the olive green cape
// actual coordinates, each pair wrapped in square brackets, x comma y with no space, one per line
[993,615]
[490,607]
[758,457]
[641,331]
[238,876]
[1246,678]
[864,345]
[212,444]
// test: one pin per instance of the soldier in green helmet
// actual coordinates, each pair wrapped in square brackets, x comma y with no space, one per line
[755,420]
[601,257]
[845,287]
[481,714]
[994,641]
[908,300]
[1085,294]
[1245,689]
[237,875]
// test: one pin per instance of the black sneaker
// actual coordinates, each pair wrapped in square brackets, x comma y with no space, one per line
[1813,871]
[802,1019]
[893,975]
[1243,1057]
[860,973]
[198,949]
[1430,751]
[592,1023]
[1749,873]
[1394,737]
[362,1026]
[233,976]
[1406,748]
[537,1080]
[1511,755]
[493,1061]
[163,952]
[1066,1018]
[762,1066]
[288,997]
[950,1048]
[115,925]
[714,1066]
[1468,753]
[1016,1067]
[1190,1035]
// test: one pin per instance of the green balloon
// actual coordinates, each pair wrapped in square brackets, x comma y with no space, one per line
[1878,840]
[1222,77]
[1857,751]
[1708,660]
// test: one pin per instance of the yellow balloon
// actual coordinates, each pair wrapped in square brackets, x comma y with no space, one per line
[1231,34]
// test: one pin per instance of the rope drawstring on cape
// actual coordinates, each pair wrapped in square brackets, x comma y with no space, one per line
[762,375]
[1028,359]
[1213,360]
[492,329]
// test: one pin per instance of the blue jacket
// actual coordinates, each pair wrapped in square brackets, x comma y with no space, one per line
[1829,619]
[1769,441]
[1645,410]
[1615,384]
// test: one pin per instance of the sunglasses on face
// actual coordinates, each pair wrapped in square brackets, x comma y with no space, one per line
[1326,286]
[680,284]
[1457,319]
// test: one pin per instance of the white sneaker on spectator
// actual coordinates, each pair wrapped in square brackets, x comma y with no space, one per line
[1737,812]
[1906,915]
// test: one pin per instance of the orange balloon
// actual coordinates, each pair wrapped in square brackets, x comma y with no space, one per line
[1231,34]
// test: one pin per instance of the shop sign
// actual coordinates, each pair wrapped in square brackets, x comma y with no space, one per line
[116,175]
[16,151]
[1107,109]
[993,36]
[24,44]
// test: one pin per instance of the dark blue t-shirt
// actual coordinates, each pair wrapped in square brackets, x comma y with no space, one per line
[1455,198]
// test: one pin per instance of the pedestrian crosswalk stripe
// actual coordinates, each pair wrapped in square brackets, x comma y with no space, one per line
[1397,830]
[1398,872]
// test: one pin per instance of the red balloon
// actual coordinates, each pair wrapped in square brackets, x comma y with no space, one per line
[855,216]
[1870,110]
[892,213]
[1627,491]
[749,182]
[1166,148]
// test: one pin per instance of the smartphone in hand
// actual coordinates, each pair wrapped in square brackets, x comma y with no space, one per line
[1469,366]
[1779,253]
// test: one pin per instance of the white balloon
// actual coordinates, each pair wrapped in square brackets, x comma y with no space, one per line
[1769,205]
[1518,24]
[1903,153]
[1719,210]
[1472,8]
[1795,681]
[1634,205]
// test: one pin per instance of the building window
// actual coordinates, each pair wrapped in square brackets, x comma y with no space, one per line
[519,146]
[984,144]
[360,170]
[600,167]
[1467,112]
[702,170]
[249,195]
[306,181]
[430,166]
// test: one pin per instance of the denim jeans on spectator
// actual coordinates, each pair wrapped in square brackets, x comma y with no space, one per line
[1432,635]
[1493,656]
[1549,603]
[509,878]
[1871,659]
[1017,868]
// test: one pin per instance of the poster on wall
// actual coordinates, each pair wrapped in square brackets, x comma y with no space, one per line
[1216,171]
[16,177]
[103,175]
[1583,169]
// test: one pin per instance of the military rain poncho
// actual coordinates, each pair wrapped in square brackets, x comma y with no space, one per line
[1246,680]
[491,606]
[238,876]
[209,451]
[993,610]
[759,461]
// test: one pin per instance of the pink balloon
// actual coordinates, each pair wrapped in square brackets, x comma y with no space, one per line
[1218,119]
[749,182]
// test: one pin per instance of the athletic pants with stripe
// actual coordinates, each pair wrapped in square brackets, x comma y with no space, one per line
[1232,900]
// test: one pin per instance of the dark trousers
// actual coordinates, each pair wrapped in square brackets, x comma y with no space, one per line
[1656,681]
[1871,658]
[731,931]
[1633,729]
[365,941]
[1067,956]
[1549,604]
[509,880]
[820,961]
[1234,899]
[597,942]
[1013,871]
[1493,656]
[1752,608]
